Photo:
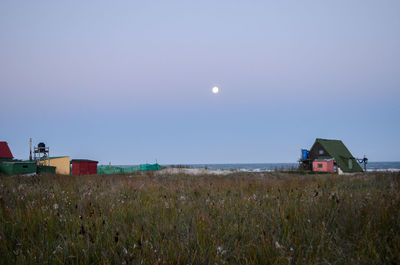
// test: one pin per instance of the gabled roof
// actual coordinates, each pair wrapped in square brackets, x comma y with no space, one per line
[5,151]
[337,150]
[82,160]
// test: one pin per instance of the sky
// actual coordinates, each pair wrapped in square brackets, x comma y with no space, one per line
[130,82]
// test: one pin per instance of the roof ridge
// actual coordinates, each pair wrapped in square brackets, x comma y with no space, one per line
[324,139]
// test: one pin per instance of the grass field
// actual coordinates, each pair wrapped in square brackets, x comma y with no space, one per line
[272,218]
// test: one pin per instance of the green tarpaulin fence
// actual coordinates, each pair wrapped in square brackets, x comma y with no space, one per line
[106,170]
[150,167]
[130,169]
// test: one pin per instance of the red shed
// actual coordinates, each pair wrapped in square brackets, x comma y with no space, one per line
[5,152]
[324,165]
[84,167]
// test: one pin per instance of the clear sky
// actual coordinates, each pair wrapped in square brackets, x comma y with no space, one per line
[130,82]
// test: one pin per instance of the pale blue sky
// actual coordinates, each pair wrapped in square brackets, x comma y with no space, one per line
[130,81]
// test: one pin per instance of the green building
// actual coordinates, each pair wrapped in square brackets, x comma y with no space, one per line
[335,149]
[17,167]
[9,166]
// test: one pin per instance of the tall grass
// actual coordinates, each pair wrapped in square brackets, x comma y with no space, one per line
[242,218]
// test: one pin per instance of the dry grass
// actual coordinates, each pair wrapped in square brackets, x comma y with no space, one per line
[247,218]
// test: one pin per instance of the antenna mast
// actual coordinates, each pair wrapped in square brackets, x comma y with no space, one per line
[30,149]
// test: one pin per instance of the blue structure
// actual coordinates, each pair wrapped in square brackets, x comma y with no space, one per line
[304,154]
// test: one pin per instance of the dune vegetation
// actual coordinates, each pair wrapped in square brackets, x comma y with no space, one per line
[242,218]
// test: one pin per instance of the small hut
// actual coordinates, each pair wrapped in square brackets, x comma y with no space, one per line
[10,166]
[84,167]
[61,163]
[336,150]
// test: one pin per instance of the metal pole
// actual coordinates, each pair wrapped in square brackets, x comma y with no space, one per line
[30,149]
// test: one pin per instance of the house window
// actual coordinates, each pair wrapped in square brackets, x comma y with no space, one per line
[350,164]
[319,165]
[321,152]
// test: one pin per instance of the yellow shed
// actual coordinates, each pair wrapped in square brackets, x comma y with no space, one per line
[62,164]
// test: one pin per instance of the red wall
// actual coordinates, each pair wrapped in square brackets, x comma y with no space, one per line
[327,166]
[75,168]
[92,168]
[84,168]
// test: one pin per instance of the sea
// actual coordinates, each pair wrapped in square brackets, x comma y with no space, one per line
[264,167]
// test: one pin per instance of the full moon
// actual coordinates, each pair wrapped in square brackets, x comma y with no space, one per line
[215,90]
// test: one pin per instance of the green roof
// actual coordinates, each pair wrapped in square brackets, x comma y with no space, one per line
[53,157]
[337,150]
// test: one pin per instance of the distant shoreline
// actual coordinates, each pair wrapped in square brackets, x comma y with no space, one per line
[270,167]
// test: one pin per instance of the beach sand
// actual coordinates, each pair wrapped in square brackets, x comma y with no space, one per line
[193,171]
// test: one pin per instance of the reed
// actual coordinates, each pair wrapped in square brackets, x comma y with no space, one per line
[243,218]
